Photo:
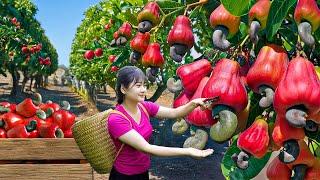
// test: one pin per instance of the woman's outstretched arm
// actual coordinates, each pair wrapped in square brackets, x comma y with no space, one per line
[135,140]
[181,111]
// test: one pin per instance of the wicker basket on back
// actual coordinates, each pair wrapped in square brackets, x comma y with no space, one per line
[92,136]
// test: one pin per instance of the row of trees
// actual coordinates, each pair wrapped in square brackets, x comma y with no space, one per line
[23,44]
[155,36]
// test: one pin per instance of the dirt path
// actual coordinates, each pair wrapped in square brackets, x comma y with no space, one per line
[162,168]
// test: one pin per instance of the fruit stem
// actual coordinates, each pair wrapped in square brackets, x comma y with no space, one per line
[161,11]
[133,26]
[298,46]
[244,41]
[191,5]
[266,113]
[239,47]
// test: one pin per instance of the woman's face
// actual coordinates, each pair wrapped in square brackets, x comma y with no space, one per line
[136,91]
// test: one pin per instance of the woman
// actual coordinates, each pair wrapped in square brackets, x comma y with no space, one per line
[133,160]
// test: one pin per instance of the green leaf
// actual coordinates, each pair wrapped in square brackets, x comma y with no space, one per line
[122,57]
[314,148]
[237,8]
[168,4]
[278,12]
[231,171]
[195,12]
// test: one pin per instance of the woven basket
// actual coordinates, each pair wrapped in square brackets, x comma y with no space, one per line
[91,135]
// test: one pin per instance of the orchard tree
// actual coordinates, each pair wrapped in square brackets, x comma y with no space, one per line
[258,69]
[23,44]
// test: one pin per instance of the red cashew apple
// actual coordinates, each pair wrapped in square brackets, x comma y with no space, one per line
[198,116]
[29,107]
[98,52]
[152,56]
[297,95]
[139,45]
[253,141]
[307,16]
[124,34]
[180,38]
[313,172]
[89,55]
[112,58]
[225,83]
[304,161]
[148,17]
[278,170]
[114,68]
[225,26]
[267,71]
[181,100]
[191,74]
[258,16]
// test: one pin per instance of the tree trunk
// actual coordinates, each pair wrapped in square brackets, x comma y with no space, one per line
[46,81]
[105,89]
[15,83]
[42,81]
[38,81]
[92,94]
[31,81]
[24,81]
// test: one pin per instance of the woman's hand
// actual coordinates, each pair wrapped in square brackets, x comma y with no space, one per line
[196,153]
[204,103]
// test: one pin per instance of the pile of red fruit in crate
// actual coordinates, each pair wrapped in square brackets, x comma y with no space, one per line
[33,119]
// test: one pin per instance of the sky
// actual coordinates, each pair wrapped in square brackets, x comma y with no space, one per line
[60,19]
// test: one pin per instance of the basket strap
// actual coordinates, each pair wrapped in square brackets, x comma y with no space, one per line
[121,114]
[122,145]
[144,109]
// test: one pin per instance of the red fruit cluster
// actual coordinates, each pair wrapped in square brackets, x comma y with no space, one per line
[109,25]
[90,54]
[44,61]
[15,22]
[121,36]
[34,119]
[31,49]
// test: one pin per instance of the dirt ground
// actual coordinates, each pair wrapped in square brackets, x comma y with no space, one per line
[162,168]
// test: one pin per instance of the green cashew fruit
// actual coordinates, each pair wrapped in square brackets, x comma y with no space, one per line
[226,126]
[179,127]
[198,141]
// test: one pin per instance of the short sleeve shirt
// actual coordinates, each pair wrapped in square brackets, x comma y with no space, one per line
[131,161]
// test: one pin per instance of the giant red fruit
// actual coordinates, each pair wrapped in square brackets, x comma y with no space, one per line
[152,56]
[198,116]
[191,74]
[255,139]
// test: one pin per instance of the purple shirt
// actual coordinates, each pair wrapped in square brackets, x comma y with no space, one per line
[131,161]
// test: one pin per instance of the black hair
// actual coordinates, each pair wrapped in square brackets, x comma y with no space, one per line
[125,76]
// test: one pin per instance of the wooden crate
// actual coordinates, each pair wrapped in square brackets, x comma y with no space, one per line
[44,158]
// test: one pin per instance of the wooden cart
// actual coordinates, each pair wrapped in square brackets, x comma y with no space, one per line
[44,158]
